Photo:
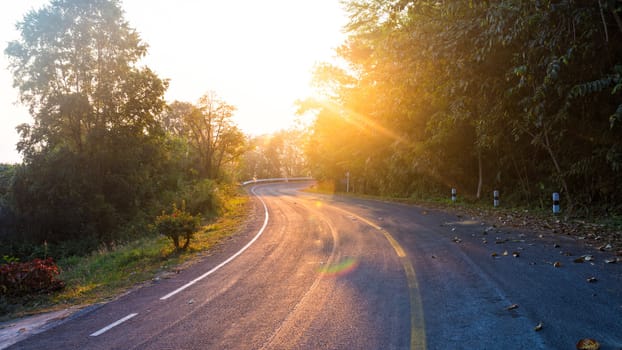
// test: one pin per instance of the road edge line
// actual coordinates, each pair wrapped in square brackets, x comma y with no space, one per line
[112,325]
[231,258]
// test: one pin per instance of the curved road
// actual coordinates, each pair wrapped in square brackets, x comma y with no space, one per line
[327,272]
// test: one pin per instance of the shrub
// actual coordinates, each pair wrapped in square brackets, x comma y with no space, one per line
[36,276]
[203,197]
[179,224]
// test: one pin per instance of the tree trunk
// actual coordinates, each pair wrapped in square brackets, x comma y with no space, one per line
[567,195]
[480,175]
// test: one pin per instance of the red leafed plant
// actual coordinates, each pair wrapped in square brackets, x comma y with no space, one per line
[35,276]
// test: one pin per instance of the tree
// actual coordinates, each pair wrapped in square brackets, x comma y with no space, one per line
[280,154]
[210,131]
[93,155]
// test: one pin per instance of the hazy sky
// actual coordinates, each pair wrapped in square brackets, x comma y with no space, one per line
[256,55]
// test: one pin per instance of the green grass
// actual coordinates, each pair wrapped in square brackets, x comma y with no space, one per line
[109,272]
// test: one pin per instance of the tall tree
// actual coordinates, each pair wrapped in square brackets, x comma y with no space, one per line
[94,149]
[209,130]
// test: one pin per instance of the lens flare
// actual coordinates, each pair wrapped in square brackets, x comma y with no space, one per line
[344,267]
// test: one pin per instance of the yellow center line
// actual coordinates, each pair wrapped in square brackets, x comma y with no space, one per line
[417,325]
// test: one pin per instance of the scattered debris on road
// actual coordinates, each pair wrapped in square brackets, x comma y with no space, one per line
[538,327]
[588,344]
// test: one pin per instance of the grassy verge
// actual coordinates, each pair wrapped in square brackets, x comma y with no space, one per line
[109,272]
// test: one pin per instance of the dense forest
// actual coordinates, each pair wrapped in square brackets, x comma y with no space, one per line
[106,153]
[519,96]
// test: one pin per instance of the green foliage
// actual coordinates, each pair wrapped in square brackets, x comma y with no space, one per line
[96,157]
[178,225]
[36,276]
[213,139]
[202,198]
[280,154]
[104,153]
[475,95]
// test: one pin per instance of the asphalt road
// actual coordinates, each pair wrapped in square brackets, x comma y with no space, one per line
[330,272]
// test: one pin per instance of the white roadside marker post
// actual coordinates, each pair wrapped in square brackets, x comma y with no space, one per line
[556,203]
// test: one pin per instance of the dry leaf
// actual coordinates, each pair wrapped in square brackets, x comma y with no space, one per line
[538,327]
[505,253]
[611,261]
[588,344]
[592,279]
[512,307]
[557,264]
[605,247]
[494,255]
[516,254]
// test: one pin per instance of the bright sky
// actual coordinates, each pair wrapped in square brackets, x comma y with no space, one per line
[256,55]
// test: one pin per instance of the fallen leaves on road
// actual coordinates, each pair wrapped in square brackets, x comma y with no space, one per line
[512,307]
[584,258]
[588,344]
[557,264]
[516,254]
[605,247]
[598,235]
[592,279]
[456,239]
[538,327]
[611,261]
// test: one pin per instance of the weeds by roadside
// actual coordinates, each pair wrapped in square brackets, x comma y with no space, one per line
[110,271]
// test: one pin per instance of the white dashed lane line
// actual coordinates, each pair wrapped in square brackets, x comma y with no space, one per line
[112,325]
[261,230]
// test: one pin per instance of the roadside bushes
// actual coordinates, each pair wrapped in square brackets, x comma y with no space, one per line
[178,225]
[202,198]
[36,276]
[199,199]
